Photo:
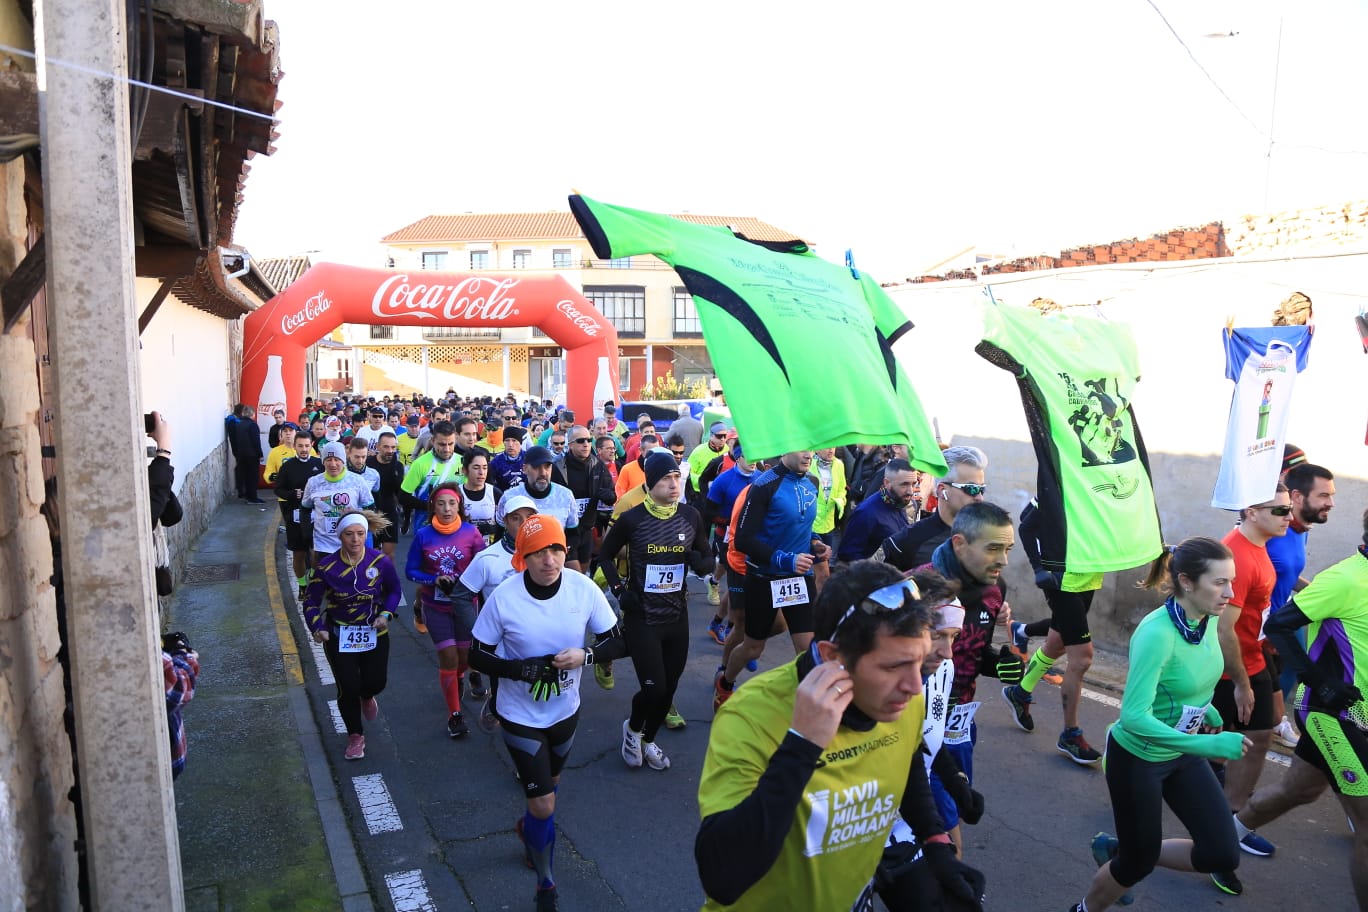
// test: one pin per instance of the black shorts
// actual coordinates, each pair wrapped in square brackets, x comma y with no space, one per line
[1261,718]
[719,547]
[1069,615]
[580,541]
[298,535]
[388,535]
[539,754]
[1337,748]
[761,611]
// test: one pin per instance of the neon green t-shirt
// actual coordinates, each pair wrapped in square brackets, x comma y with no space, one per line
[699,458]
[1337,604]
[1077,375]
[848,807]
[1168,694]
[770,313]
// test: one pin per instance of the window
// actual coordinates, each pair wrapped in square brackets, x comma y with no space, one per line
[382,332]
[620,263]
[685,315]
[623,305]
[434,259]
[522,259]
[624,375]
[560,258]
[479,259]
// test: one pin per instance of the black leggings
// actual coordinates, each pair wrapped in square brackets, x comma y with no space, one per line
[659,653]
[359,676]
[1189,787]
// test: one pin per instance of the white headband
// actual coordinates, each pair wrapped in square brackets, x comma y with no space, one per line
[950,614]
[357,519]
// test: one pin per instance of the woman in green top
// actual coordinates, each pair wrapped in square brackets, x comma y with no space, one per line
[1157,752]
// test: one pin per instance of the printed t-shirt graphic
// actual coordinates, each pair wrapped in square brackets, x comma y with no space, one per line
[1264,363]
[1076,376]
[769,312]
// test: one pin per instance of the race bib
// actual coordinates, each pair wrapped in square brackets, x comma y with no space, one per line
[356,639]
[664,578]
[1191,719]
[294,517]
[581,504]
[792,591]
[957,727]
[438,595]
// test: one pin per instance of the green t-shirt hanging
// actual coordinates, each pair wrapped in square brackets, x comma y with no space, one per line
[1076,376]
[803,348]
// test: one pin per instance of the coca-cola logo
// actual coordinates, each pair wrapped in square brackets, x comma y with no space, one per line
[312,308]
[472,298]
[582,321]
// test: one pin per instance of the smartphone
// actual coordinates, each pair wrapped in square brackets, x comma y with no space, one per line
[150,422]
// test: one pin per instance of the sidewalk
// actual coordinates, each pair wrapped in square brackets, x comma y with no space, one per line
[260,824]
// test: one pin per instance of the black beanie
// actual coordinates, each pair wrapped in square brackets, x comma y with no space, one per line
[659,464]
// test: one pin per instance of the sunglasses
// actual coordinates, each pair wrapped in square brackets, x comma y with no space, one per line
[557,444]
[721,436]
[881,601]
[968,487]
[1283,510]
[677,453]
[583,440]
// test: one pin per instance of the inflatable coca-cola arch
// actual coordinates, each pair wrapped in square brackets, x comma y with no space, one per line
[328,295]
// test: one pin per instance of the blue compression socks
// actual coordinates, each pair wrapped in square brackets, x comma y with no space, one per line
[540,837]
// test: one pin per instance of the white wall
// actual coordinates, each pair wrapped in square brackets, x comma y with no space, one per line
[184,369]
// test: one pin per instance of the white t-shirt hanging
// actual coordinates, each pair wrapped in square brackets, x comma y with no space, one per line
[1264,363]
[522,627]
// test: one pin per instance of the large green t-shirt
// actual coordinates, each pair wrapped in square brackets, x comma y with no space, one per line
[1337,640]
[1168,694]
[1076,376]
[804,348]
[848,807]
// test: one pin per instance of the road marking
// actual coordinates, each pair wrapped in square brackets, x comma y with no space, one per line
[376,805]
[289,653]
[409,892]
[325,675]
[1108,700]
[337,717]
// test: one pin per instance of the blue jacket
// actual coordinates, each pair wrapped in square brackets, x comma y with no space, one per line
[776,523]
[873,520]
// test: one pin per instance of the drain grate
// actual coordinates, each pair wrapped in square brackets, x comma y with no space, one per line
[210,573]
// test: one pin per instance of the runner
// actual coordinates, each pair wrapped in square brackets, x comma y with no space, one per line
[476,585]
[844,718]
[831,504]
[479,499]
[963,485]
[881,515]
[1069,596]
[507,467]
[1328,703]
[530,633]
[775,534]
[438,556]
[705,452]
[348,607]
[386,465]
[551,498]
[430,469]
[717,512]
[1157,752]
[290,480]
[330,495]
[663,539]
[591,485]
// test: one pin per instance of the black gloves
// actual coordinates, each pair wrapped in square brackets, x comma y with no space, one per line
[958,882]
[543,676]
[1046,580]
[532,669]
[1010,668]
[446,584]
[968,801]
[1334,696]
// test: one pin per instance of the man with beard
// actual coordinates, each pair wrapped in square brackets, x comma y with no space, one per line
[963,484]
[880,516]
[391,472]
[592,485]
[550,498]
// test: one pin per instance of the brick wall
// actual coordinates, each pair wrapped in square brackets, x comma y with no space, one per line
[1343,225]
[37,820]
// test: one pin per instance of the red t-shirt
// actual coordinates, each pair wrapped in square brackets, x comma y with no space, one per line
[1254,581]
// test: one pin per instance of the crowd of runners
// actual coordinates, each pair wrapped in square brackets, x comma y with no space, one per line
[543,543]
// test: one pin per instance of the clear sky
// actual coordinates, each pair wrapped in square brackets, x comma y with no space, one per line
[906,131]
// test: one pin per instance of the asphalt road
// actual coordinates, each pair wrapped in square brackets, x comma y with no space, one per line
[445,839]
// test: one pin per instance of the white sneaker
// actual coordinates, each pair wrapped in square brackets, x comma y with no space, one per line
[655,757]
[714,594]
[1286,733]
[631,745]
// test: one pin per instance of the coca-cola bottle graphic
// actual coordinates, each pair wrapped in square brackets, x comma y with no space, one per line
[271,398]
[603,388]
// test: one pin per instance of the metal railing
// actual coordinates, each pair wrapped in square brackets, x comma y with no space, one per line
[462,332]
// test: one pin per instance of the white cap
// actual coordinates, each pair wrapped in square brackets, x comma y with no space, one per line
[517,502]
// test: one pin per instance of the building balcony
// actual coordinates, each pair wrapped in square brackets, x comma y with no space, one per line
[446,333]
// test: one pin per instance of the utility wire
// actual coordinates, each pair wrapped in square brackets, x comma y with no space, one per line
[1216,85]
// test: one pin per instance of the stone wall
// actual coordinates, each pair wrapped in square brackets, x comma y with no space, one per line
[201,492]
[1344,225]
[37,820]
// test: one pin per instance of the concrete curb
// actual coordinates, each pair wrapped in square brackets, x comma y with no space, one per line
[346,865]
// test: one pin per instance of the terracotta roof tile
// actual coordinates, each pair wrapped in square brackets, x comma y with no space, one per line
[527,226]
[281,272]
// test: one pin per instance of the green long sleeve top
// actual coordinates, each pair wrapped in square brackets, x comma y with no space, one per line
[1168,694]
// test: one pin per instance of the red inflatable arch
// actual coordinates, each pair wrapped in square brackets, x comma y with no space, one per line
[328,295]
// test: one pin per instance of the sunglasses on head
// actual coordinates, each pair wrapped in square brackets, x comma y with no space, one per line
[881,601]
[968,487]
[1280,510]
